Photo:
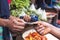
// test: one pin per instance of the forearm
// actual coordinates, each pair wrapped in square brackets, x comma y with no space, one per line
[3,22]
[55,31]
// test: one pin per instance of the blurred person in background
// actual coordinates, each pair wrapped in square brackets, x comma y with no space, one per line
[45,3]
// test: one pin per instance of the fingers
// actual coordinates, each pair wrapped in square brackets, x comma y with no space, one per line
[20,23]
[38,27]
[20,20]
[38,22]
[19,27]
[16,24]
[45,24]
[47,30]
[16,28]
[40,30]
[43,30]
[27,18]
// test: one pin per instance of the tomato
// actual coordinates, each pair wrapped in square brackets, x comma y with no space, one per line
[35,36]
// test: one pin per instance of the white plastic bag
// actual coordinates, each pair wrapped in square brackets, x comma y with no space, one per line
[32,7]
[44,17]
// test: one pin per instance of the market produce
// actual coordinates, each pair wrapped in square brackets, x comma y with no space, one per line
[27,18]
[17,6]
[21,7]
[35,14]
[35,36]
[34,18]
[19,3]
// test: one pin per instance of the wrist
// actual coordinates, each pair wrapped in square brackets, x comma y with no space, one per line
[52,28]
[6,22]
[3,22]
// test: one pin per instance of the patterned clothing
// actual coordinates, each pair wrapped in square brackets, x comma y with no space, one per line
[1,33]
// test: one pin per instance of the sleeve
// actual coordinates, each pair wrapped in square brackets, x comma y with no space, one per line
[4,9]
[5,13]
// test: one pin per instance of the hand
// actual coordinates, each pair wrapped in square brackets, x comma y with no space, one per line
[15,24]
[27,18]
[43,27]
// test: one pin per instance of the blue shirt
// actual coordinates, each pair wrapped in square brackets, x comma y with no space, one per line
[4,13]
[41,4]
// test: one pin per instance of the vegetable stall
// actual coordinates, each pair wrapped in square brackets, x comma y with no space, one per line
[20,8]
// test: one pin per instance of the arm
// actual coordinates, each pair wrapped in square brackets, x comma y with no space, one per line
[55,31]
[44,28]
[3,22]
[13,23]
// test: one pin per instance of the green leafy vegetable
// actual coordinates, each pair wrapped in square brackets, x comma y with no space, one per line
[17,6]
